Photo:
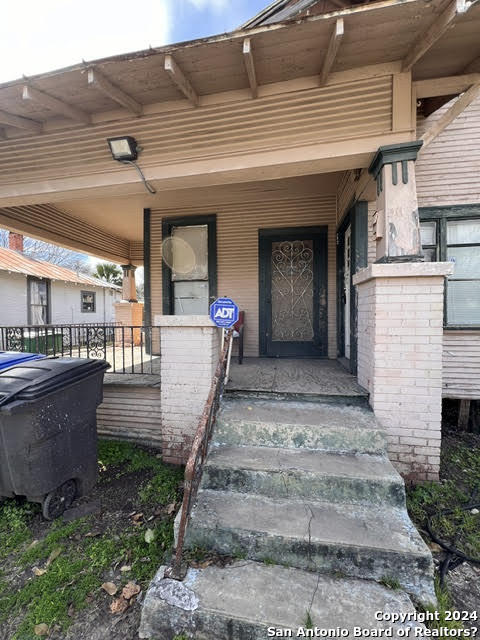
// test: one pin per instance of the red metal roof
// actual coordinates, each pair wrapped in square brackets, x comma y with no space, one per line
[16,262]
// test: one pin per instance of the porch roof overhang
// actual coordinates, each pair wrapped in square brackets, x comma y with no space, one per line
[64,116]
[380,32]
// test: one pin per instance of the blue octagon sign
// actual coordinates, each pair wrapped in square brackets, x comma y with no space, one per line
[224,313]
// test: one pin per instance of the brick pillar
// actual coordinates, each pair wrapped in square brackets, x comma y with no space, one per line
[190,349]
[129,289]
[400,335]
[129,314]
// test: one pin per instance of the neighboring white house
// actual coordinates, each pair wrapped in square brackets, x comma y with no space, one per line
[35,292]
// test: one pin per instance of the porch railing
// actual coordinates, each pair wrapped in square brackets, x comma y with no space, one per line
[194,466]
[128,349]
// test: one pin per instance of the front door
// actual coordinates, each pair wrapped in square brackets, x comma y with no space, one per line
[293,292]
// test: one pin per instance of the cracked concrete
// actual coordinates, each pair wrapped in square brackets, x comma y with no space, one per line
[244,599]
[307,486]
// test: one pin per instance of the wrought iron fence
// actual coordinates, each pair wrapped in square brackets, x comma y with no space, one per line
[194,466]
[128,349]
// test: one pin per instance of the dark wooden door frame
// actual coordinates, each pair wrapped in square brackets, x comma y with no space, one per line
[357,219]
[186,221]
[319,235]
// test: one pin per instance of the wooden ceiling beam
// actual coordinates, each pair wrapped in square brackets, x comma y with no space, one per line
[250,66]
[20,123]
[100,82]
[473,66]
[445,86]
[333,47]
[449,116]
[55,105]
[180,80]
[435,31]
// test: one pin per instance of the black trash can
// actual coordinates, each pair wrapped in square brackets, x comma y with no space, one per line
[48,430]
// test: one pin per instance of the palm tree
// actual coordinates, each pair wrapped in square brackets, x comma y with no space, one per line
[108,272]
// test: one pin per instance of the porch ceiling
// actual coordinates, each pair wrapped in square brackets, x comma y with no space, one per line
[112,228]
[373,33]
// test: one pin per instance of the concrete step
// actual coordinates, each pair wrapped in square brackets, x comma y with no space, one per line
[245,599]
[298,425]
[355,540]
[316,475]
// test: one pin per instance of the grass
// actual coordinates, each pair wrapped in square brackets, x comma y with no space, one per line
[444,503]
[443,506]
[308,621]
[444,604]
[74,564]
[390,583]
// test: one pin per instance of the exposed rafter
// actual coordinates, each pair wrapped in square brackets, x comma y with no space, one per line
[19,122]
[180,79]
[449,116]
[54,104]
[333,47]
[445,86]
[435,31]
[250,66]
[100,82]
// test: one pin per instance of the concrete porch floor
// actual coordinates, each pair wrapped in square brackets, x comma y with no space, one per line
[293,376]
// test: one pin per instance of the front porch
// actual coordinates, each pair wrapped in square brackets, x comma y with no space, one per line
[314,379]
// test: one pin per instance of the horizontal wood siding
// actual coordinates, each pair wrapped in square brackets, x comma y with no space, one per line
[448,170]
[461,364]
[130,412]
[51,224]
[238,223]
[341,111]
[136,251]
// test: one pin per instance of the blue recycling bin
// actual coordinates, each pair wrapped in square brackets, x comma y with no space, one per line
[11,358]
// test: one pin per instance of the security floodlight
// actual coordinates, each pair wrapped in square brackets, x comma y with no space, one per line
[123,148]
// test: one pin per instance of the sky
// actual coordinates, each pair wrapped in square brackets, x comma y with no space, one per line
[42,35]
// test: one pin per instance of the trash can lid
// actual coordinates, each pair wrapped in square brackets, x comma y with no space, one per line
[36,378]
[10,358]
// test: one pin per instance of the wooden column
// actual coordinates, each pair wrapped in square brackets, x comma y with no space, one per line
[397,225]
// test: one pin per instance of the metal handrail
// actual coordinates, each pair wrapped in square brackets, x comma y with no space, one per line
[194,466]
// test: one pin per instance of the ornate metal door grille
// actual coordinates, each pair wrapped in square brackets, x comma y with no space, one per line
[292,291]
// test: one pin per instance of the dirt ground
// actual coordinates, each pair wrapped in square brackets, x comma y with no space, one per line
[105,535]
[135,494]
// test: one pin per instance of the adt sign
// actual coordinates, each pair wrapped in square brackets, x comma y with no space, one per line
[224,313]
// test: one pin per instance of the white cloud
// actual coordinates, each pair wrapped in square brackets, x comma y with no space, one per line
[216,5]
[41,36]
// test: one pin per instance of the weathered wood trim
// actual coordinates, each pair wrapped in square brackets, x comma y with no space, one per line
[436,30]
[55,105]
[250,66]
[402,101]
[449,116]
[333,47]
[180,80]
[19,122]
[100,82]
[445,86]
